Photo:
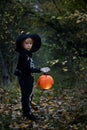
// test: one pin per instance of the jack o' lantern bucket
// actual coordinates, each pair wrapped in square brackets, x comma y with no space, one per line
[45,81]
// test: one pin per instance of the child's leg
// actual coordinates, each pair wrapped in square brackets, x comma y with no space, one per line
[26,94]
[26,101]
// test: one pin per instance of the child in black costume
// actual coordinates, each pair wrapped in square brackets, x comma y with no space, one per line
[26,44]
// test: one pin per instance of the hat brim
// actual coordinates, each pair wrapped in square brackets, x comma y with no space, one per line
[37,42]
[35,37]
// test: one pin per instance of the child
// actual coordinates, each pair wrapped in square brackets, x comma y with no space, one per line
[26,44]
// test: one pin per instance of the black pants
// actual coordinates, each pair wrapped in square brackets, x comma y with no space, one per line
[26,84]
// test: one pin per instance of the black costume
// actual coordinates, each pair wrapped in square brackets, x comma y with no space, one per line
[24,70]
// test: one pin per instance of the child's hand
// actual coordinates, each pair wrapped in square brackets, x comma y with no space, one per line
[45,69]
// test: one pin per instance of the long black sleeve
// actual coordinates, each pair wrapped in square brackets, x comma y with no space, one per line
[35,70]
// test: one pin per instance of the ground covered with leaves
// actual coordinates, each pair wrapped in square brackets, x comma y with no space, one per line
[67,111]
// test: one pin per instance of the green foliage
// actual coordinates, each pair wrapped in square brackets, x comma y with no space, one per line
[66,28]
[61,24]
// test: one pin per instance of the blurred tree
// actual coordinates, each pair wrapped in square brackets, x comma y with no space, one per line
[12,21]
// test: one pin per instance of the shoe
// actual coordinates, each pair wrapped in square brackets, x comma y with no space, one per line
[31,117]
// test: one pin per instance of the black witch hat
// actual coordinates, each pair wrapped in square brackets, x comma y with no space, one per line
[35,37]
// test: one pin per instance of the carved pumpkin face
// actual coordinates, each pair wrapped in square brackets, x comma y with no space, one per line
[45,81]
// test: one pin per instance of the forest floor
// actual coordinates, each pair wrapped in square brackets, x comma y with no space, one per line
[67,111]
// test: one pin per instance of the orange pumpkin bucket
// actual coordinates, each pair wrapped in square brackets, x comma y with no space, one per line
[45,81]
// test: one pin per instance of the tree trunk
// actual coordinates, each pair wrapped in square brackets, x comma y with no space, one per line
[4,71]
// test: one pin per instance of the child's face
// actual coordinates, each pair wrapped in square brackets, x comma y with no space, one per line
[27,44]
